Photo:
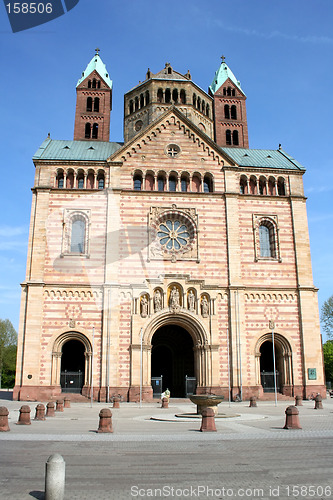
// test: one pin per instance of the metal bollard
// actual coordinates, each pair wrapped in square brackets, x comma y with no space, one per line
[60,405]
[4,427]
[105,420]
[165,403]
[50,410]
[67,402]
[292,420]
[253,402]
[24,417]
[208,420]
[116,402]
[298,400]
[318,402]
[40,412]
[55,477]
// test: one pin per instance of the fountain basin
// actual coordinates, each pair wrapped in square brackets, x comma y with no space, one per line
[206,401]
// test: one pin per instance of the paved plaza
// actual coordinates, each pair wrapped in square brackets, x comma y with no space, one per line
[160,453]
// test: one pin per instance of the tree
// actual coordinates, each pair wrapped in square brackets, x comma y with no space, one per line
[328,360]
[327,316]
[8,340]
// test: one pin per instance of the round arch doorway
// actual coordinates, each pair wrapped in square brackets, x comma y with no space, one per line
[72,366]
[172,357]
[267,366]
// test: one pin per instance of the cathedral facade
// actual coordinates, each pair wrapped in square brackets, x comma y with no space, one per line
[178,259]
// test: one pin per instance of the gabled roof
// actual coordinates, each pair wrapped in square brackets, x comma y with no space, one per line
[221,76]
[263,158]
[76,150]
[96,64]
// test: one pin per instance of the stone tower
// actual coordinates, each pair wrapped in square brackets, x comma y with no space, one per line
[93,102]
[230,120]
[159,92]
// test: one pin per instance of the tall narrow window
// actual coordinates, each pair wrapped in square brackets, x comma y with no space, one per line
[160,183]
[87,131]
[281,187]
[96,104]
[89,104]
[167,95]
[78,236]
[184,183]
[235,140]
[100,180]
[147,97]
[233,112]
[142,100]
[137,182]
[264,241]
[172,183]
[80,182]
[228,137]
[60,180]
[95,131]
[208,184]
[131,106]
[94,83]
[175,95]
[160,95]
[183,96]
[226,111]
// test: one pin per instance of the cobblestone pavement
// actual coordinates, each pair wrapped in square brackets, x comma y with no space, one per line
[250,455]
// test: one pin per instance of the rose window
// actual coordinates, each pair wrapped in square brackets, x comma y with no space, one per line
[173,235]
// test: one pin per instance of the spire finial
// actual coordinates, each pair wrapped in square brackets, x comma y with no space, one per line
[223,58]
[97,50]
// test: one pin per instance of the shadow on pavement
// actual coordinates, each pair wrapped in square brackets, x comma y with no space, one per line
[40,495]
[8,395]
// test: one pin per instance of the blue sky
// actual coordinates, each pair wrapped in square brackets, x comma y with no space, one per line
[281,52]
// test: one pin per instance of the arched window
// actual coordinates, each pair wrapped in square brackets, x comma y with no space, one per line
[281,187]
[95,131]
[78,236]
[208,184]
[90,180]
[60,180]
[175,95]
[87,131]
[70,180]
[271,186]
[98,84]
[194,100]
[147,97]
[160,95]
[228,137]
[149,184]
[167,95]
[172,183]
[96,104]
[183,96]
[137,182]
[136,104]
[262,185]
[229,91]
[235,140]
[203,107]
[207,110]
[233,112]
[94,83]
[243,185]
[196,183]
[131,106]
[265,241]
[184,183]
[226,111]
[160,183]
[89,84]
[80,181]
[142,100]
[253,185]
[100,180]
[199,103]
[89,104]
[169,70]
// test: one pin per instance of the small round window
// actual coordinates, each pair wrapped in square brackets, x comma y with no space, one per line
[173,235]
[172,150]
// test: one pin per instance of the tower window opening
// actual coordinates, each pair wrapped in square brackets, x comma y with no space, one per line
[229,91]
[147,97]
[136,104]
[208,184]
[167,95]
[87,132]
[94,83]
[175,95]
[95,131]
[235,140]
[137,182]
[183,96]
[89,84]
[228,137]
[233,112]
[89,104]
[96,104]
[160,95]
[281,187]
[207,110]
[194,100]
[226,111]
[142,101]
[131,106]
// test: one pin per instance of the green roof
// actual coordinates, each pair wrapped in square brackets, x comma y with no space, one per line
[96,64]
[76,150]
[263,158]
[222,75]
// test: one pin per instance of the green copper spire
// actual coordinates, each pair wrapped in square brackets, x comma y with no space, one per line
[96,64]
[221,75]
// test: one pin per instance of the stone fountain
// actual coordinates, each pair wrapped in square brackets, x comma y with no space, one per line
[206,401]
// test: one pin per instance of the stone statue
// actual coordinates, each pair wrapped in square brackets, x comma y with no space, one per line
[144,306]
[191,301]
[157,301]
[174,299]
[204,307]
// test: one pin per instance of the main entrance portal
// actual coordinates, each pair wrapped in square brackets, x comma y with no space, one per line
[172,357]
[267,367]
[72,366]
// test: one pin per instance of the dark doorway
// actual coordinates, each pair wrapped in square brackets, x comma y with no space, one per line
[173,358]
[267,366]
[72,366]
